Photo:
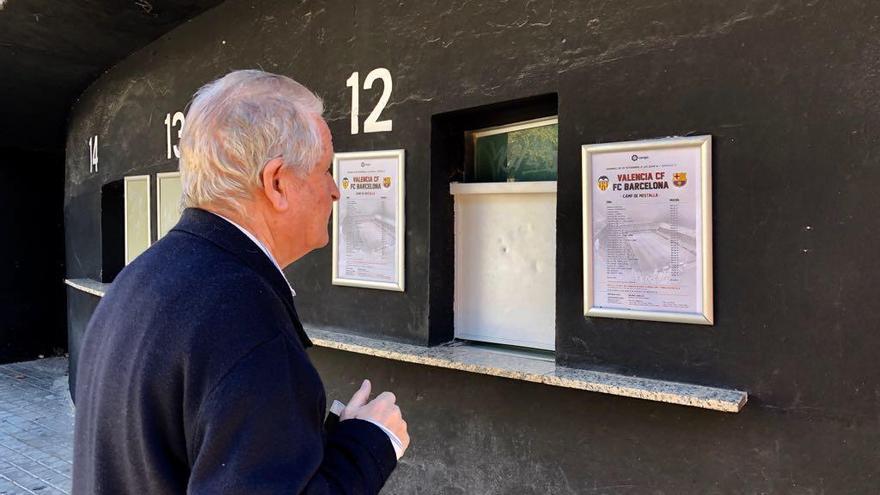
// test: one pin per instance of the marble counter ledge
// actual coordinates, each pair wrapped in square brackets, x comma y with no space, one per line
[88,285]
[476,359]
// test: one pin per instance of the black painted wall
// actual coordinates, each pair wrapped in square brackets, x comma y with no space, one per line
[80,306]
[50,51]
[790,92]
[31,254]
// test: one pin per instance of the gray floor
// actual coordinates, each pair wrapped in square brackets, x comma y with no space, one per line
[36,428]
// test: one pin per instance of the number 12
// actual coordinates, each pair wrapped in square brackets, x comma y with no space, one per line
[372,123]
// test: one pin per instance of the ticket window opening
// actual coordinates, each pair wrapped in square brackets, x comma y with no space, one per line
[126,218]
[505,236]
[112,230]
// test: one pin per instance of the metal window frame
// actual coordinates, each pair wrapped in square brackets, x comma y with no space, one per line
[517,126]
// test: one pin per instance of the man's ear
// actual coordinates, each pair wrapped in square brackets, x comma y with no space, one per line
[274,188]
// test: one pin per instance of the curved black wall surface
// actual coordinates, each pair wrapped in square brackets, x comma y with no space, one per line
[789,92]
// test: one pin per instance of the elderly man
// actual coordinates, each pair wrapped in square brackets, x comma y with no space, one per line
[193,375]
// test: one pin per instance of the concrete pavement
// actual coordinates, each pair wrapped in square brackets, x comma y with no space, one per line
[36,428]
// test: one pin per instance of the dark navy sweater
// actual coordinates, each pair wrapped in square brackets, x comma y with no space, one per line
[193,377]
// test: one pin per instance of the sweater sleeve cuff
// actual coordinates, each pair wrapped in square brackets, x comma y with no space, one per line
[372,439]
[395,442]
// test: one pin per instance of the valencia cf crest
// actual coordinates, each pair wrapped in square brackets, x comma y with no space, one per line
[680,178]
[386,182]
[603,183]
[345,182]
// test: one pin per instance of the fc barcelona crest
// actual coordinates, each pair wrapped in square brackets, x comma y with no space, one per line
[386,182]
[345,182]
[679,179]
[603,183]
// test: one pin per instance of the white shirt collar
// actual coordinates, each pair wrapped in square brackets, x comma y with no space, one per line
[262,248]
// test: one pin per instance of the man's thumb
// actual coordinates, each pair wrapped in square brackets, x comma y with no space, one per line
[360,397]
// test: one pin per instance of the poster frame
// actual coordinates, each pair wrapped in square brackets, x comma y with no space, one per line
[149,226]
[159,180]
[400,227]
[704,144]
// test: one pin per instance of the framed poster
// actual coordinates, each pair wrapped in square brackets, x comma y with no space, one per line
[136,198]
[368,219]
[647,227]
[168,192]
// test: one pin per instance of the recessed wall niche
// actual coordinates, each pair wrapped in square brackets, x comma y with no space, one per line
[452,160]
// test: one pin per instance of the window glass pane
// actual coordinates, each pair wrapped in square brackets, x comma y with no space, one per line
[522,155]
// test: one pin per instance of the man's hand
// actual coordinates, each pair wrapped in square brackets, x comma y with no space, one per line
[382,410]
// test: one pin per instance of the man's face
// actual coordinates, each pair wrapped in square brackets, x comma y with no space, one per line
[316,193]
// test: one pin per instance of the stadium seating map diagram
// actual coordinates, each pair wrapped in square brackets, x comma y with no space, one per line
[646,231]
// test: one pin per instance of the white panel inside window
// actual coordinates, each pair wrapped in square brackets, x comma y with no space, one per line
[137,216]
[168,191]
[505,263]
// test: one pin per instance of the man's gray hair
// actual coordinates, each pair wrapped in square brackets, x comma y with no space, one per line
[239,122]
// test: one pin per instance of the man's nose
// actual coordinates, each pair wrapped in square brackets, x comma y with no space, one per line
[335,192]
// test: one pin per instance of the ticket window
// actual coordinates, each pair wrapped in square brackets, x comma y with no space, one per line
[132,232]
[112,230]
[137,216]
[505,236]
[168,192]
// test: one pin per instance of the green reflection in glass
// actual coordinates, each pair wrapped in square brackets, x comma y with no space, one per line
[524,155]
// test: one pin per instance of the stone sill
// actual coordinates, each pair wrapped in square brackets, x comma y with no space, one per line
[476,359]
[88,285]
